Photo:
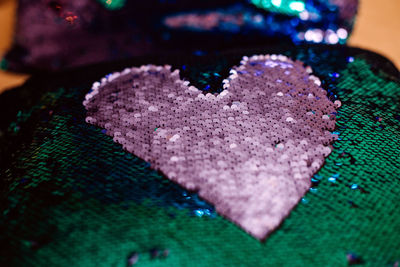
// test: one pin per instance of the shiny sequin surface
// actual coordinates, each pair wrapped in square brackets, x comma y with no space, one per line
[250,150]
[72,196]
[53,35]
[113,4]
[312,21]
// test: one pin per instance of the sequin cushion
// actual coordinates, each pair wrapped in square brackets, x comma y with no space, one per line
[250,150]
[52,35]
[72,196]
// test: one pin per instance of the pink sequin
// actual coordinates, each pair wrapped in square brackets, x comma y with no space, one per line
[250,150]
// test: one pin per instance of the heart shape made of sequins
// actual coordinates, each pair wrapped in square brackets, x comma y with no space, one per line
[250,150]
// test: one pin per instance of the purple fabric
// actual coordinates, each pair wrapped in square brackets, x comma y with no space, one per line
[53,35]
[250,150]
[59,34]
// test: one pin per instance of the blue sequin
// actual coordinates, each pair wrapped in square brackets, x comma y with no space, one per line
[354,186]
[332,179]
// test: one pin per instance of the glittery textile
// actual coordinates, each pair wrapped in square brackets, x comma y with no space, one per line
[53,35]
[299,21]
[57,34]
[250,150]
[71,196]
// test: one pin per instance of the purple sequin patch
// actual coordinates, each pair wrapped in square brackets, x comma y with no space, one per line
[250,150]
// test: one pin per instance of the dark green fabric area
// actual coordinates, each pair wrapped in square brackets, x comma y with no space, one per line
[72,197]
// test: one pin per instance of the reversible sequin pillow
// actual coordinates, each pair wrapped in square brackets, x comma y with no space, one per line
[52,35]
[89,185]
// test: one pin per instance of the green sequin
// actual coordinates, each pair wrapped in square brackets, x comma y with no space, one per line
[288,7]
[3,64]
[113,4]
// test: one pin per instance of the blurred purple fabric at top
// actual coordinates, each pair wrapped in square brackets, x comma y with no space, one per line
[53,35]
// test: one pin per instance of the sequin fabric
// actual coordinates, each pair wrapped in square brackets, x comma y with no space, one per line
[250,150]
[315,21]
[71,196]
[53,35]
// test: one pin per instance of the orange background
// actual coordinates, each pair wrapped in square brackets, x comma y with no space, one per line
[377,28]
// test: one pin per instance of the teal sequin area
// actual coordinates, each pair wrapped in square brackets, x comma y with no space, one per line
[289,7]
[71,196]
[3,64]
[112,4]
